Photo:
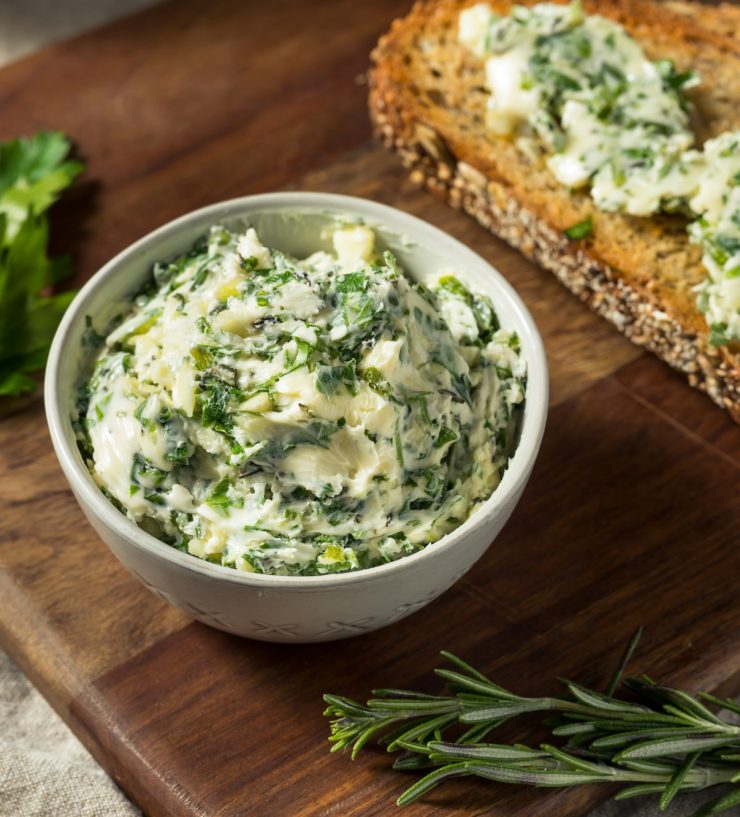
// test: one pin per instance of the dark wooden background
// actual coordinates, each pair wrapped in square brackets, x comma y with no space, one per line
[631,516]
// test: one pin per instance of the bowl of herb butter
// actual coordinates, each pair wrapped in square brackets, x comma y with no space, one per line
[297,416]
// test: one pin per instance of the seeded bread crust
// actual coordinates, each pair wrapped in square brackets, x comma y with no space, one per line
[427,102]
[723,18]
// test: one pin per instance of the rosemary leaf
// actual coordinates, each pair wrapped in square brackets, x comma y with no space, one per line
[724,803]
[674,746]
[623,661]
[676,782]
[430,781]
[638,791]
[663,741]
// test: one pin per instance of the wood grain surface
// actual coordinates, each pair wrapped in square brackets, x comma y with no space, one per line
[631,516]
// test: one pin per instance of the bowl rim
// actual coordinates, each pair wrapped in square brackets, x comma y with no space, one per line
[91,497]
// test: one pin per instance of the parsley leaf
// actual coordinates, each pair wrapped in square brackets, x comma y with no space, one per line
[583,229]
[219,498]
[33,172]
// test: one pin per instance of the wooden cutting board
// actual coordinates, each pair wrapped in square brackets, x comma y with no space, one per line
[631,516]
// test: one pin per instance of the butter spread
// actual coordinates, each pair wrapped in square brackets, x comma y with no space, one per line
[717,200]
[300,416]
[610,118]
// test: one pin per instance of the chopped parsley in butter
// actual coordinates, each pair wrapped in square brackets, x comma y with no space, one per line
[611,119]
[301,417]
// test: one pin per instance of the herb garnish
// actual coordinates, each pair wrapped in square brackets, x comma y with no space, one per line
[659,741]
[33,172]
[583,229]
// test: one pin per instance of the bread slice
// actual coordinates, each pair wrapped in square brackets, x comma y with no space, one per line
[723,18]
[427,102]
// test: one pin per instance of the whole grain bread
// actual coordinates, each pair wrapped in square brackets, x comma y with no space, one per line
[723,18]
[427,102]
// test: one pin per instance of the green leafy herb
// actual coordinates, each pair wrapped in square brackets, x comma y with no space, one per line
[482,309]
[581,230]
[352,282]
[446,435]
[200,274]
[214,400]
[90,338]
[330,379]
[33,172]
[451,284]
[144,473]
[374,378]
[663,741]
[718,334]
[319,432]
[219,498]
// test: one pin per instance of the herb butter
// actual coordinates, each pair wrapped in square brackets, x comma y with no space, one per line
[717,201]
[300,416]
[611,119]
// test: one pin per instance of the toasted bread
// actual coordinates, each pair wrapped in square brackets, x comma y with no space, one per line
[723,18]
[427,102]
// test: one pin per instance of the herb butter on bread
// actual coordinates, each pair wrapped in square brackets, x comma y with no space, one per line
[573,135]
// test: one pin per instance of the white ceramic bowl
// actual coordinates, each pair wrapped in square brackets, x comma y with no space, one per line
[290,608]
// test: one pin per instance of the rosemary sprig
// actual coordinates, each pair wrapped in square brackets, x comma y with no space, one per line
[664,741]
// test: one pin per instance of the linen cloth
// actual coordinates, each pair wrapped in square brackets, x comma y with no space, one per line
[44,770]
